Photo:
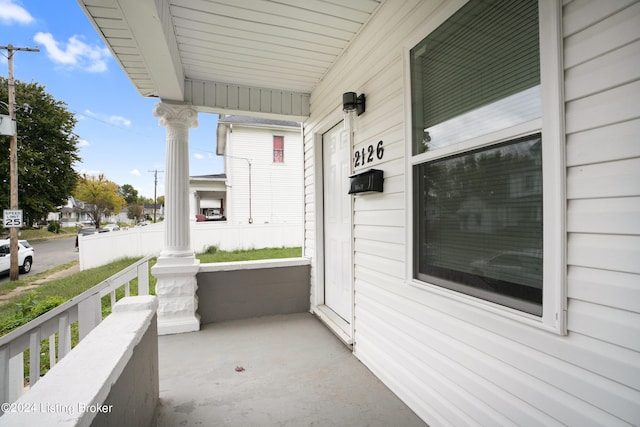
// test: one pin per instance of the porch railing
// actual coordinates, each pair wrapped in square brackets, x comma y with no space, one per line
[86,309]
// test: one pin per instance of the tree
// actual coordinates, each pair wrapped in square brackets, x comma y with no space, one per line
[47,152]
[135,212]
[129,193]
[101,196]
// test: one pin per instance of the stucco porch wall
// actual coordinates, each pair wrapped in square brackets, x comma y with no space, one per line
[110,379]
[243,290]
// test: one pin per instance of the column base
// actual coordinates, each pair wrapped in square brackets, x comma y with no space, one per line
[176,290]
[179,325]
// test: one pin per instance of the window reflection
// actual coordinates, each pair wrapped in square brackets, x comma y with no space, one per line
[511,111]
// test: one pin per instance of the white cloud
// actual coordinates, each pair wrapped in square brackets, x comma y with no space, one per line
[76,53]
[198,156]
[119,120]
[83,143]
[11,12]
[135,172]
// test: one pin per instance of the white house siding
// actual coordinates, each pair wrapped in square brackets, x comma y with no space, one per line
[276,189]
[456,364]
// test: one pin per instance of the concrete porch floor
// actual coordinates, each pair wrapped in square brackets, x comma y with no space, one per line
[296,373]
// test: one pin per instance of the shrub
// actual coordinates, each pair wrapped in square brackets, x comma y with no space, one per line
[48,304]
[211,250]
[53,227]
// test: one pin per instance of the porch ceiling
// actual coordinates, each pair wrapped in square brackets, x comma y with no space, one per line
[171,48]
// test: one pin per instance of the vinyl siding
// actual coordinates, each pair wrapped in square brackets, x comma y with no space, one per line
[276,189]
[456,363]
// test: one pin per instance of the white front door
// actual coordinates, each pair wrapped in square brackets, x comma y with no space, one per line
[338,295]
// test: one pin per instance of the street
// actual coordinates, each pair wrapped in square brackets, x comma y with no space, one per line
[49,254]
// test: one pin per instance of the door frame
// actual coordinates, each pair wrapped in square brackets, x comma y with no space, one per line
[338,326]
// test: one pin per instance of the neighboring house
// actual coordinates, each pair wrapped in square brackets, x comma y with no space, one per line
[263,169]
[149,210]
[73,213]
[208,194]
[506,130]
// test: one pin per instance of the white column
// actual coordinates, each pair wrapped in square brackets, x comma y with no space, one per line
[177,266]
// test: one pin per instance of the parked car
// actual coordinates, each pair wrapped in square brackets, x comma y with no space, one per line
[87,232]
[143,224]
[111,227]
[26,253]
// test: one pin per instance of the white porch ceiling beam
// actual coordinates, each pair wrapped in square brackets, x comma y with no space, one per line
[150,27]
[149,22]
[226,98]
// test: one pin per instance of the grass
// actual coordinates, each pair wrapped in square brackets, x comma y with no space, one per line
[21,309]
[7,287]
[24,308]
[212,254]
[44,234]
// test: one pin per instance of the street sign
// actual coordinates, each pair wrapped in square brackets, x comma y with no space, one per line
[12,218]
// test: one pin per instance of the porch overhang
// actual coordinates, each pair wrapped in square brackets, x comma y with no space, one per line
[254,57]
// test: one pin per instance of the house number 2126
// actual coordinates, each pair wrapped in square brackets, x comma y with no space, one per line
[364,156]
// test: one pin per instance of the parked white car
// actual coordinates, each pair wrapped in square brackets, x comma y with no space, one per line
[111,227]
[25,256]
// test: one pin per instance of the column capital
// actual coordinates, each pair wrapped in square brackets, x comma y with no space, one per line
[176,114]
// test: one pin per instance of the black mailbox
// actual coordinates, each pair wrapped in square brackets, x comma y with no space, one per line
[366,181]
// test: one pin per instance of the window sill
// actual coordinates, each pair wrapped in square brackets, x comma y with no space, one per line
[477,311]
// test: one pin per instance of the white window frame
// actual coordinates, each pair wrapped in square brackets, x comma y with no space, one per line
[551,125]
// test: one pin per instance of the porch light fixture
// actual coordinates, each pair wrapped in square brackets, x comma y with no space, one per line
[351,101]
[353,106]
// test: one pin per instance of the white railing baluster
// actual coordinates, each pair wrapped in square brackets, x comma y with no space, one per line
[4,374]
[89,315]
[34,357]
[86,308]
[16,377]
[143,278]
[64,336]
[52,351]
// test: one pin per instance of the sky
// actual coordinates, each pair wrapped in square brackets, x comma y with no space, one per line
[119,136]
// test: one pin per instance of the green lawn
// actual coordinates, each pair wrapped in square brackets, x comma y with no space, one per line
[44,234]
[212,254]
[27,306]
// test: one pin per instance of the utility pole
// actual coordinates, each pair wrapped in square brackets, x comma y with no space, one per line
[13,159]
[155,188]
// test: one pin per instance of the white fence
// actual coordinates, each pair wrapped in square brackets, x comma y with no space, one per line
[100,249]
[86,309]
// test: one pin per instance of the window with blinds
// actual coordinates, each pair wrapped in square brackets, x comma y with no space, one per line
[478,213]
[477,73]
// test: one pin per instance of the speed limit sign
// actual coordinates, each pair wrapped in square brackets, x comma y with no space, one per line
[12,218]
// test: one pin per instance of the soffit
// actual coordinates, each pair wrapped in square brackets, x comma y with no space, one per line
[286,45]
